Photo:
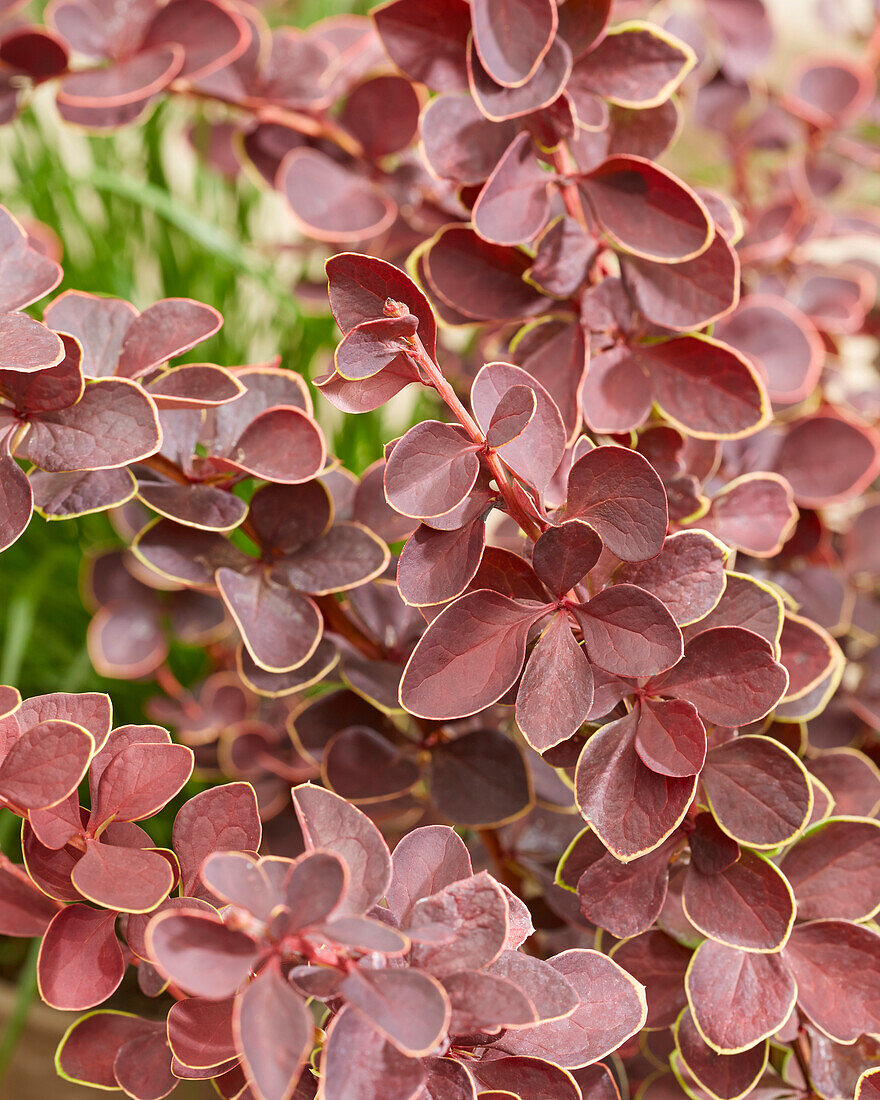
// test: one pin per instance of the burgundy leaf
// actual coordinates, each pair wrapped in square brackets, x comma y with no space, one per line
[25,273]
[687,575]
[140,780]
[834,869]
[88,1049]
[647,211]
[737,998]
[223,818]
[837,969]
[199,953]
[372,345]
[470,655]
[16,496]
[631,808]
[80,962]
[556,692]
[329,201]
[424,861]
[625,898]
[436,566]
[563,555]
[127,879]
[273,1030]
[536,452]
[635,65]
[485,1002]
[514,205]
[359,1064]
[200,1032]
[729,674]
[328,821]
[549,991]
[685,295]
[513,414]
[479,778]
[165,330]
[748,905]
[427,40]
[629,632]
[45,764]
[612,1008]
[618,492]
[659,963]
[113,424]
[280,628]
[726,1076]
[431,470]
[476,910]
[407,1007]
[511,36]
[670,738]
[758,791]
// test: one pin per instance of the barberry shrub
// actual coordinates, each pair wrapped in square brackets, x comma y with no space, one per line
[551,737]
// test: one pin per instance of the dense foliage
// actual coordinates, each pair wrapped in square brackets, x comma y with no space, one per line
[608,608]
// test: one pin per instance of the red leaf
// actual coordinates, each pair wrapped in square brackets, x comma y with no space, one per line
[685,295]
[726,1076]
[88,1049]
[431,470]
[635,65]
[647,211]
[280,628]
[45,764]
[512,36]
[729,674]
[424,861]
[80,962]
[273,1031]
[514,205]
[618,492]
[131,880]
[563,555]
[738,998]
[755,513]
[330,202]
[659,963]
[556,692]
[834,869]
[407,1007]
[199,953]
[328,821]
[165,330]
[612,1008]
[837,969]
[479,778]
[113,424]
[629,632]
[200,1032]
[631,808]
[140,780]
[476,911]
[469,656]
[536,452]
[427,40]
[359,1064]
[223,818]
[758,791]
[670,738]
[748,905]
[687,575]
